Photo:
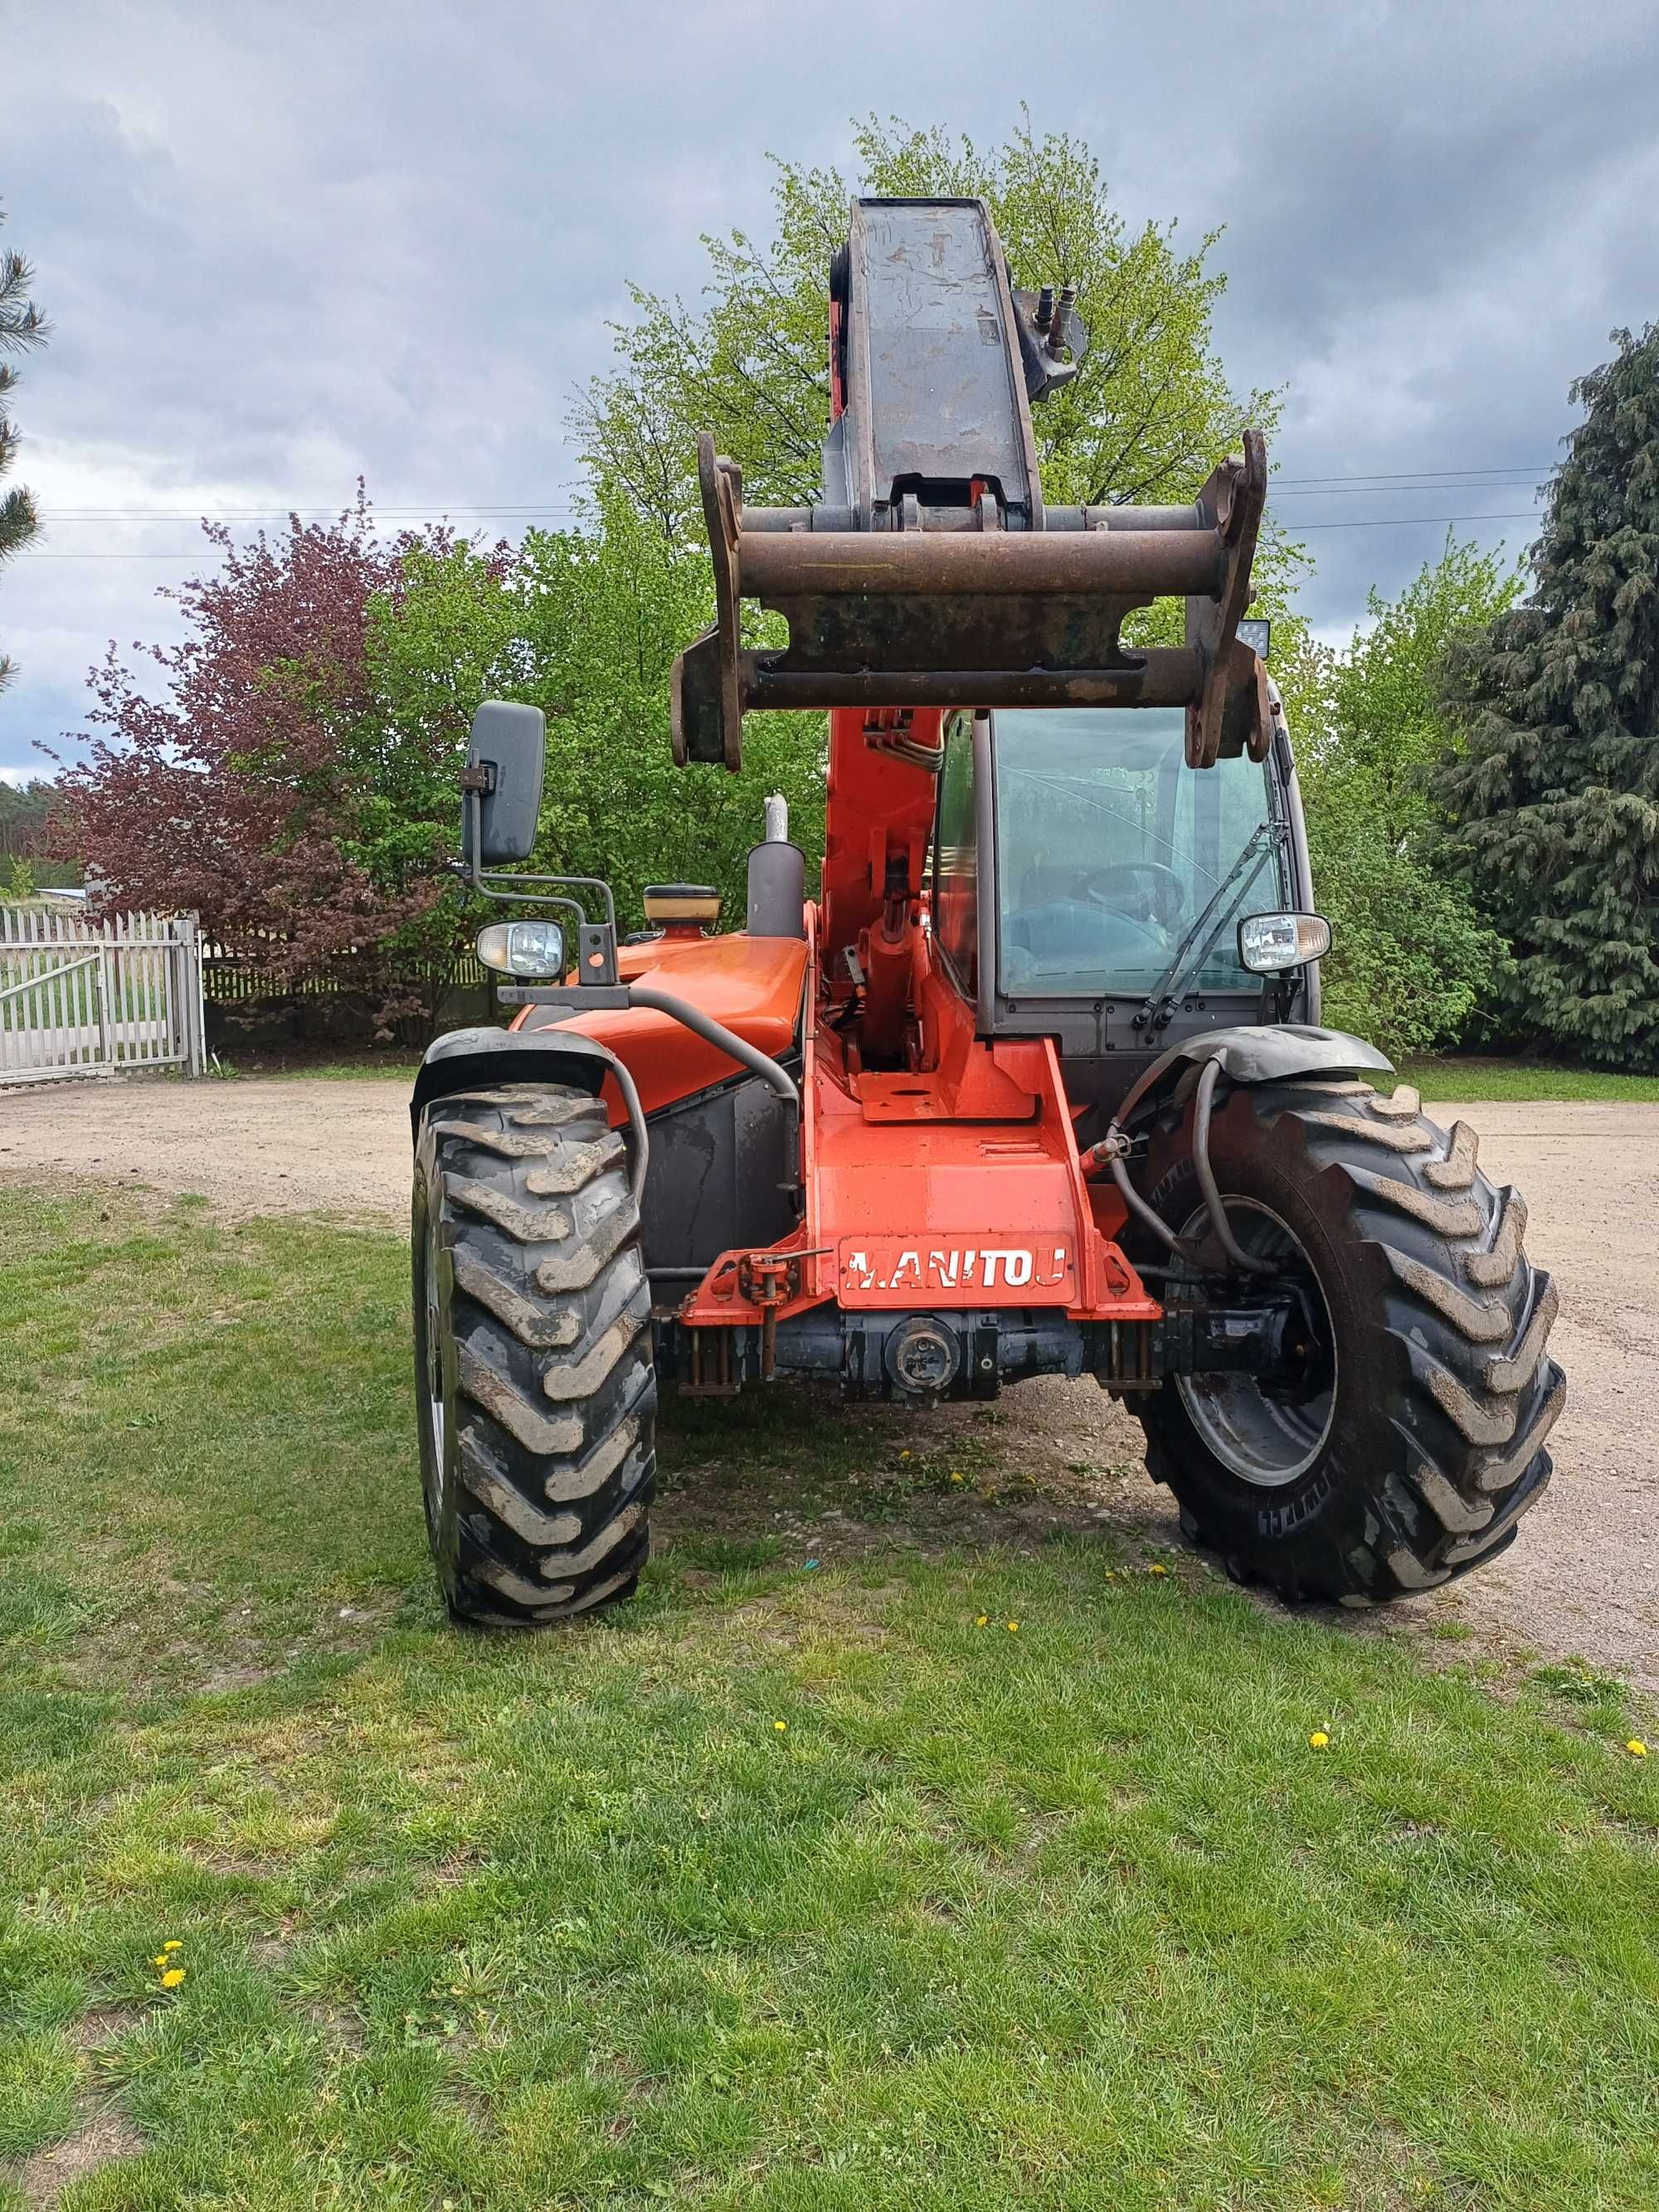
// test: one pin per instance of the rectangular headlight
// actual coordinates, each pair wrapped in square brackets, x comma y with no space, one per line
[1267,942]
[523,948]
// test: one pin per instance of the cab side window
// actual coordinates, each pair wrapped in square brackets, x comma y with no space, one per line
[955,857]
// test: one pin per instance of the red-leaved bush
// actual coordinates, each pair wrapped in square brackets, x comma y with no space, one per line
[271,786]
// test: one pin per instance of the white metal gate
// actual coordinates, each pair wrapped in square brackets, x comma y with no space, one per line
[83,998]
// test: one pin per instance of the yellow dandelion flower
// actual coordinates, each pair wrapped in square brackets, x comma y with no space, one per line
[175,1945]
[1636,1748]
[982,1621]
[1319,1739]
[160,1960]
[904,1455]
[957,1477]
[781,1726]
[1157,1571]
[1111,1574]
[1013,1628]
[172,1977]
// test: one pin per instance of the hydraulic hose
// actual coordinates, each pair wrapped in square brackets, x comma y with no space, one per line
[1133,1199]
[738,1048]
[1202,1098]
[1111,1151]
[629,1090]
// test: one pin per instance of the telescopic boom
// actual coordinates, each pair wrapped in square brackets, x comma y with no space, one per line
[931,573]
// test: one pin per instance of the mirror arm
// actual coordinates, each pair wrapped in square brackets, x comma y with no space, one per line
[595,941]
[500,883]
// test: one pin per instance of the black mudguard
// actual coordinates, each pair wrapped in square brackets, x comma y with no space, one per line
[483,1058]
[1259,1053]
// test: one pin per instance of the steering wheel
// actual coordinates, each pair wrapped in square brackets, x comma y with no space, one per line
[1146,890]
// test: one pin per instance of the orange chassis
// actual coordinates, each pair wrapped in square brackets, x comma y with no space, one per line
[948,1176]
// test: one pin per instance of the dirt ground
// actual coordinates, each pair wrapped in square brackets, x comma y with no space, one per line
[1583,1577]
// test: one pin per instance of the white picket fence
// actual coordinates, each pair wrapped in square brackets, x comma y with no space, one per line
[79,997]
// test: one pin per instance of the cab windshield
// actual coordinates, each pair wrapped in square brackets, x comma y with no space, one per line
[1109,847]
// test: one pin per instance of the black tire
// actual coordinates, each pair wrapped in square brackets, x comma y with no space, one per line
[1441,1395]
[536,1393]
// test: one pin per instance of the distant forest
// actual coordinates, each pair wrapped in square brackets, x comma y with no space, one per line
[23,840]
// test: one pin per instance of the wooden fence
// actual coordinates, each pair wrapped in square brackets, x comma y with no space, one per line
[252,1002]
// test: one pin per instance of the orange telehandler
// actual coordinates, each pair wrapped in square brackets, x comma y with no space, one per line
[1034,1085]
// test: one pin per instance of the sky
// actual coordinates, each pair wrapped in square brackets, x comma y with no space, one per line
[285,246]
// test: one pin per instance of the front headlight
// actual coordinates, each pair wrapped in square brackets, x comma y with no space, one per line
[523,948]
[1267,942]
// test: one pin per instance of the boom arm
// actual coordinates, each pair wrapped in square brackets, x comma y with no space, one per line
[930,575]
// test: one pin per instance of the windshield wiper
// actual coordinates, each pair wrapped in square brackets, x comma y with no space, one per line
[1196,947]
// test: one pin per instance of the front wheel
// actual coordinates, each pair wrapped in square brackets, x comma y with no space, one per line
[1406,1440]
[535,1390]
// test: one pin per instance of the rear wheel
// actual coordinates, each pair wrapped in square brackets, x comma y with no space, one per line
[535,1391]
[1406,1439]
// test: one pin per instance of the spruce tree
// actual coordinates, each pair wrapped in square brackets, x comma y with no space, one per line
[1551,796]
[22,326]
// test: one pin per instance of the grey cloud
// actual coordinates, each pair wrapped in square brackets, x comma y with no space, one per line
[285,244]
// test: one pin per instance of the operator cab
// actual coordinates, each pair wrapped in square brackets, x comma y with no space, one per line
[1088,884]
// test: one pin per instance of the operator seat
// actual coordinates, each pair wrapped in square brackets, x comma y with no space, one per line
[1052,946]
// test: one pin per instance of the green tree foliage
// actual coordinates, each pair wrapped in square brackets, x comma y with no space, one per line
[22,326]
[26,840]
[1145,421]
[601,612]
[1412,958]
[25,811]
[357,780]
[1552,795]
[440,636]
[1387,712]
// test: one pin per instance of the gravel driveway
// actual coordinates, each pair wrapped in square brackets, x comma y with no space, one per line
[1583,1576]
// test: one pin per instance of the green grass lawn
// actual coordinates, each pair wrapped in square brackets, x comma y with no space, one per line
[1069,1915]
[1471,1080]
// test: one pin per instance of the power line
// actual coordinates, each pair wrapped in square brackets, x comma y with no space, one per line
[1387,490]
[1371,522]
[1398,475]
[1411,521]
[61,515]
[278,513]
[1460,478]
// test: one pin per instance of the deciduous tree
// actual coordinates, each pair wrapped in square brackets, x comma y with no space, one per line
[1412,955]
[602,610]
[1146,420]
[294,780]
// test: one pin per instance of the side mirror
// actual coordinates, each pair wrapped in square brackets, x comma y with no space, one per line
[506,761]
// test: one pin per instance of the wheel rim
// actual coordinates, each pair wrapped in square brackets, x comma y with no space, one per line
[1266,1438]
[436,1413]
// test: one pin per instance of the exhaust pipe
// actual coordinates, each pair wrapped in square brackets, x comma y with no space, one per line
[777,878]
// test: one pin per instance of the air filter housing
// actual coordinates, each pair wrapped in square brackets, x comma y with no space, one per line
[682,907]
